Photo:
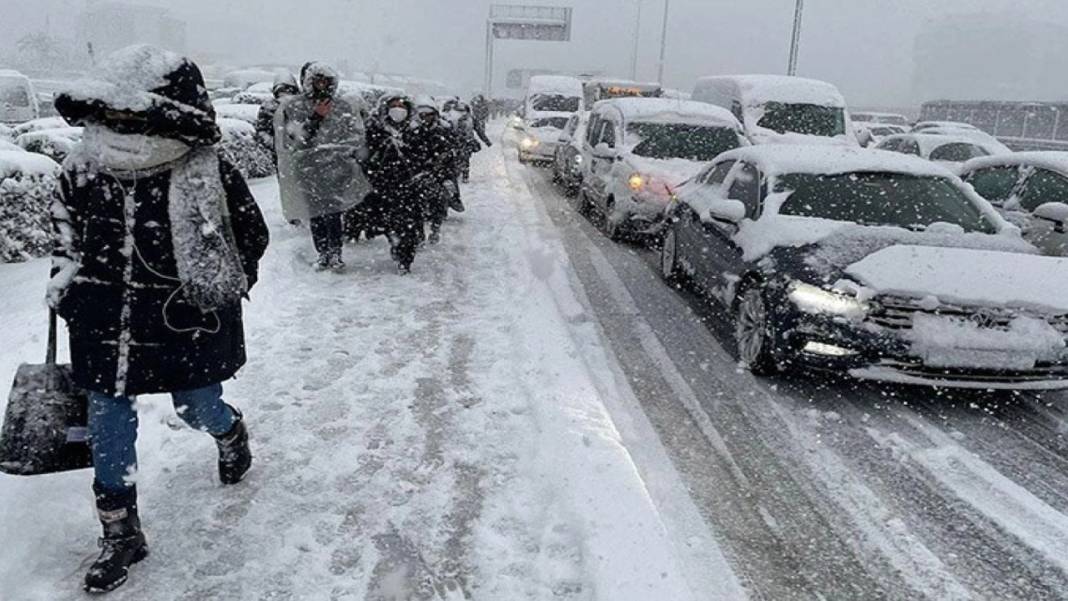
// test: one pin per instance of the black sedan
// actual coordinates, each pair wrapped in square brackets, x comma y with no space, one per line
[882,266]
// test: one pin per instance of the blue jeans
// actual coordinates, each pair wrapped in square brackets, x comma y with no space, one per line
[113,429]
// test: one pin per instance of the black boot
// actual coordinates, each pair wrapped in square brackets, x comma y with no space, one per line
[235,458]
[123,543]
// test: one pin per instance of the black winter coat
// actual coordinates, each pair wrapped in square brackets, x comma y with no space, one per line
[391,164]
[131,330]
[434,152]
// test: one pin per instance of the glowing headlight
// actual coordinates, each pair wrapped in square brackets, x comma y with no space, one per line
[813,299]
[578,159]
[529,143]
[636,182]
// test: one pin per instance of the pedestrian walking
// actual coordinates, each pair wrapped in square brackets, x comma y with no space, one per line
[157,240]
[392,168]
[285,85]
[321,141]
[434,152]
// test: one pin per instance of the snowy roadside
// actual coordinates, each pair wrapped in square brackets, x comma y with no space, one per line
[442,436]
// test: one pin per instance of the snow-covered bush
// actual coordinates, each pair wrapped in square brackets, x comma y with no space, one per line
[249,97]
[245,112]
[27,183]
[40,125]
[55,144]
[7,134]
[240,145]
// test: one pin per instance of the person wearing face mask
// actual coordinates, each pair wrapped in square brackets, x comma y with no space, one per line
[434,152]
[321,141]
[392,169]
[157,241]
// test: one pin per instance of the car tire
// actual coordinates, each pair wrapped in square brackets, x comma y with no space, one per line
[582,204]
[670,269]
[754,332]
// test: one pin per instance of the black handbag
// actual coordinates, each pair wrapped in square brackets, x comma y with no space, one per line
[46,425]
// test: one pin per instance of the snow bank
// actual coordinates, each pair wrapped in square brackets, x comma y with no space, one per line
[967,276]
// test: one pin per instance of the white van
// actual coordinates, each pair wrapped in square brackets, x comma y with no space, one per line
[18,99]
[777,109]
[550,102]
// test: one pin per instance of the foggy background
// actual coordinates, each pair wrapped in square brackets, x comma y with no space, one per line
[880,53]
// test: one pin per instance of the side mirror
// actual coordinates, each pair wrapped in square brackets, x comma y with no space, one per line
[727,211]
[604,151]
[1056,213]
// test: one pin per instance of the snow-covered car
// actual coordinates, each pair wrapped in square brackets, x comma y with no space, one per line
[252,98]
[928,125]
[638,150]
[246,78]
[242,112]
[950,152]
[776,109]
[18,100]
[870,134]
[27,183]
[1031,191]
[974,134]
[55,144]
[567,161]
[539,138]
[872,118]
[879,265]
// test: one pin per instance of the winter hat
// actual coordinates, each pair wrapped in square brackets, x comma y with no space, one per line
[315,71]
[285,81]
[164,88]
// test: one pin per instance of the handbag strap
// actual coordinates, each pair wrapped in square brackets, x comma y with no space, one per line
[50,359]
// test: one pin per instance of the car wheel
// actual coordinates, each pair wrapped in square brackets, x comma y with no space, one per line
[669,257]
[754,333]
[583,204]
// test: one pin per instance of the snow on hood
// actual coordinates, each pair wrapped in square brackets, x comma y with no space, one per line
[124,80]
[967,276]
[672,172]
[1051,160]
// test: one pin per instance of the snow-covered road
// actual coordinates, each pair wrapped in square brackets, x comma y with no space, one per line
[827,489]
[461,433]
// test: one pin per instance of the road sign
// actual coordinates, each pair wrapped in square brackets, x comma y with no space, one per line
[524,22]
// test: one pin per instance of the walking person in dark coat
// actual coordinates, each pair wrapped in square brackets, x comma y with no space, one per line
[392,168]
[285,85]
[321,141]
[157,241]
[434,152]
[480,113]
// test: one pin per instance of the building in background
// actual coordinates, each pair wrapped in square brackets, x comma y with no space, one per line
[109,26]
[991,57]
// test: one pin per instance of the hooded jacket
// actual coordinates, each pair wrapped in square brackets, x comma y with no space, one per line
[283,83]
[117,277]
[391,164]
[319,150]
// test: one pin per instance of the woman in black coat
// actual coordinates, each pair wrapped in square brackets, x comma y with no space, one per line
[157,242]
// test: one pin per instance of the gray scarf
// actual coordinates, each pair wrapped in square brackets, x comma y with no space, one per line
[205,251]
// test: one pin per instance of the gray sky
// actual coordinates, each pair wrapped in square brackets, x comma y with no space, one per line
[866,47]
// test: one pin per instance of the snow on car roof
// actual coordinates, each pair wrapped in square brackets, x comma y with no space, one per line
[831,160]
[644,109]
[1052,160]
[555,84]
[12,162]
[761,89]
[944,125]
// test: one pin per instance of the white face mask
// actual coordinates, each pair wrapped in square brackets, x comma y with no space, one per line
[130,152]
[398,114]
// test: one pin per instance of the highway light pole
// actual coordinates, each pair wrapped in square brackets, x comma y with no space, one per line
[795,42]
[663,44]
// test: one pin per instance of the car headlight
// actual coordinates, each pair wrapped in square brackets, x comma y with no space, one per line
[816,300]
[636,182]
[578,159]
[529,143]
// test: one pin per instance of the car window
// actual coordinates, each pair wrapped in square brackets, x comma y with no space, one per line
[1042,187]
[593,129]
[994,183]
[909,147]
[718,174]
[889,145]
[608,134]
[958,152]
[698,143]
[746,188]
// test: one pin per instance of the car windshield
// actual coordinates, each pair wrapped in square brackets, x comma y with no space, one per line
[682,141]
[14,94]
[555,102]
[882,199]
[553,122]
[958,152]
[808,119]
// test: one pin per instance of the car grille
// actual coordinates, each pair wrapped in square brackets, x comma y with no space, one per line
[897,314]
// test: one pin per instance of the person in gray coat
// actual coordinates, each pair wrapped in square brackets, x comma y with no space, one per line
[321,140]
